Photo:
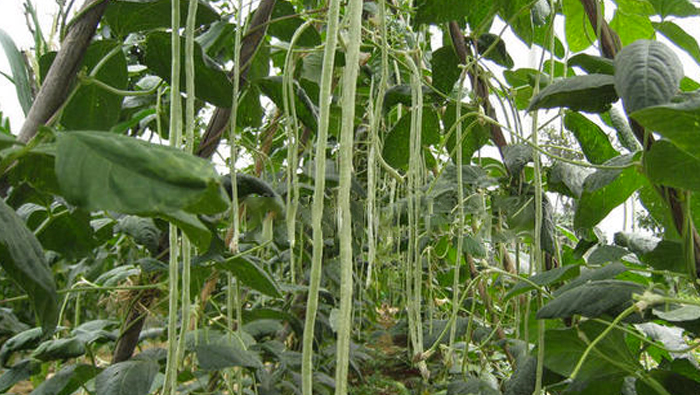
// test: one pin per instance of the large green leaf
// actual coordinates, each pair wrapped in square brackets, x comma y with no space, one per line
[678,122]
[606,189]
[445,68]
[189,223]
[523,380]
[674,7]
[667,164]
[549,277]
[493,48]
[24,340]
[475,134]
[631,20]
[592,139]
[59,349]
[22,258]
[67,380]
[592,299]
[471,386]
[672,381]
[251,275]
[22,370]
[132,377]
[19,71]
[285,23]
[125,16]
[666,255]
[579,32]
[61,229]
[601,273]
[678,36]
[647,73]
[397,141]
[101,171]
[590,93]
[517,14]
[92,107]
[567,179]
[440,11]
[608,363]
[273,87]
[211,83]
[592,64]
[216,351]
[603,254]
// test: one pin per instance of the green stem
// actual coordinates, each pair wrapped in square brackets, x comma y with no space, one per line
[600,337]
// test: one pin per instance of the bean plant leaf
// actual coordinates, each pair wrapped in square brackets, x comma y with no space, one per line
[667,164]
[445,68]
[7,140]
[647,73]
[678,36]
[67,380]
[549,277]
[602,273]
[125,16]
[565,347]
[211,83]
[306,111]
[93,107]
[23,259]
[24,340]
[578,30]
[631,21]
[592,64]
[516,157]
[101,171]
[401,94]
[493,48]
[132,377]
[285,23]
[59,349]
[590,93]
[593,141]
[606,253]
[434,12]
[19,71]
[523,380]
[593,299]
[215,352]
[606,189]
[666,255]
[20,371]
[670,380]
[567,179]
[251,275]
[397,141]
[680,8]
[475,133]
[471,386]
[518,15]
[677,121]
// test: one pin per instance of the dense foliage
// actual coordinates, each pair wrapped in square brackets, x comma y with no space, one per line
[306,196]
